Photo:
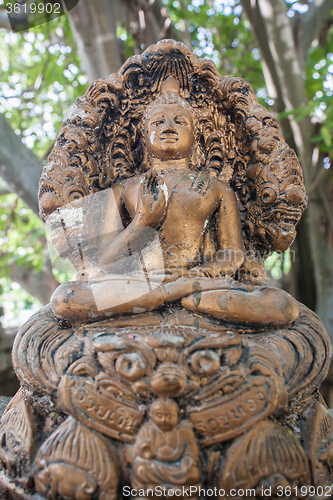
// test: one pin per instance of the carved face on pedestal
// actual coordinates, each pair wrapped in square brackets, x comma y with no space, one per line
[164,414]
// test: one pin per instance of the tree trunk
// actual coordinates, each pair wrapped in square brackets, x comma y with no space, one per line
[283,52]
[39,284]
[94,26]
[19,167]
[94,29]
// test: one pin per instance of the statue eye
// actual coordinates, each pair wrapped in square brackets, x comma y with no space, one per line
[158,121]
[131,366]
[206,362]
[268,195]
[180,120]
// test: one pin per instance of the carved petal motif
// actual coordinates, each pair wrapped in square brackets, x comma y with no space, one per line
[42,351]
[319,442]
[266,450]
[304,351]
[86,459]
[16,436]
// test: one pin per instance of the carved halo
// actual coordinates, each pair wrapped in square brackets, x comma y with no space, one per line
[100,141]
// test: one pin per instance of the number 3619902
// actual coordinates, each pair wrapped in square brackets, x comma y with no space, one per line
[304,491]
[33,8]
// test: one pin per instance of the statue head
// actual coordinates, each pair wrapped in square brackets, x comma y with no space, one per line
[164,414]
[168,124]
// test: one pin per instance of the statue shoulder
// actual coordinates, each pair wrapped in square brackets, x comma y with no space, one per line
[224,189]
[124,186]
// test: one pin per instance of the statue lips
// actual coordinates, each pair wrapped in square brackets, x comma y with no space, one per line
[169,137]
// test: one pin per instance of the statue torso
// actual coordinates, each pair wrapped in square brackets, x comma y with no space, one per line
[192,202]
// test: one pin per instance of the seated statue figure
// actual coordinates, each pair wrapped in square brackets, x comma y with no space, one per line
[197,221]
[169,361]
[165,453]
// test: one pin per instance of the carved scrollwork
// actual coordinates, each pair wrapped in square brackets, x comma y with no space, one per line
[123,357]
[238,383]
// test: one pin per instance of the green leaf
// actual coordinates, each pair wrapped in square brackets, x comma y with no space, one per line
[326,135]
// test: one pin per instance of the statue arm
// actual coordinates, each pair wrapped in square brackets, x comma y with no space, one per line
[117,243]
[230,253]
[150,210]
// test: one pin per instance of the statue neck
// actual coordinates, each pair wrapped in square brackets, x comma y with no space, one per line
[170,164]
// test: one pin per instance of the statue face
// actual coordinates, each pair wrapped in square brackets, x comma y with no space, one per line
[169,131]
[164,418]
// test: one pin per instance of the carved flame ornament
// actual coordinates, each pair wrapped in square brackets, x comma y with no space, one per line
[169,367]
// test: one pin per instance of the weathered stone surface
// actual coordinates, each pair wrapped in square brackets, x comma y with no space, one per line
[3,403]
[169,362]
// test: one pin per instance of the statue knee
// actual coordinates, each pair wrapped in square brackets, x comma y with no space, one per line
[285,307]
[291,310]
[65,299]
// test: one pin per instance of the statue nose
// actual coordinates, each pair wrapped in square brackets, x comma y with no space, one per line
[295,195]
[169,130]
[168,380]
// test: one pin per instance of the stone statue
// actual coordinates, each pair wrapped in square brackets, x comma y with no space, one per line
[170,197]
[165,454]
[169,364]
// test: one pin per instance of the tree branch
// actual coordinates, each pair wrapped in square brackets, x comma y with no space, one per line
[311,24]
[253,14]
[4,21]
[10,219]
[39,284]
[19,167]
[269,20]
[94,30]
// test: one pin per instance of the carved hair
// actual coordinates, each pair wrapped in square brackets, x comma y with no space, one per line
[164,403]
